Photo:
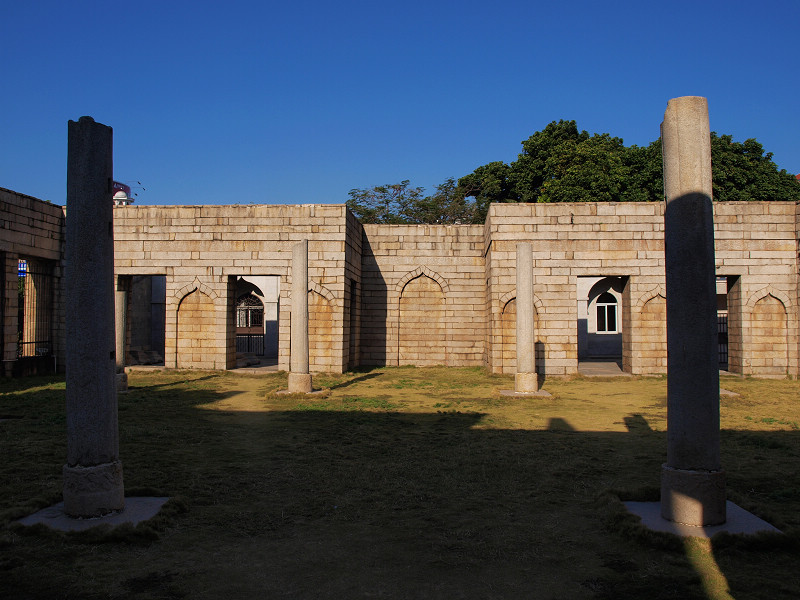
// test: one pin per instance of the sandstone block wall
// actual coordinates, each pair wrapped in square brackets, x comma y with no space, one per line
[428,294]
[33,230]
[423,299]
[569,241]
[202,249]
[756,249]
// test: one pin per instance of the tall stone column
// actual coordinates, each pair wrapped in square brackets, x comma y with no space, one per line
[525,381]
[299,375]
[121,329]
[93,473]
[692,481]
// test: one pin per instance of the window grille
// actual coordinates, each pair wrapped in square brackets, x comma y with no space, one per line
[249,316]
[249,312]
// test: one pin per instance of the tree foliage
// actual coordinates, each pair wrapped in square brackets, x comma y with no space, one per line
[399,203]
[564,164]
[487,184]
[741,171]
[391,204]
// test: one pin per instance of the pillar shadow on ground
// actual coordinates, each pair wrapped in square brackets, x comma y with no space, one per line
[355,503]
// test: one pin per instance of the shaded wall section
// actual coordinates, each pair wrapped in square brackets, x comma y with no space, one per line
[32,230]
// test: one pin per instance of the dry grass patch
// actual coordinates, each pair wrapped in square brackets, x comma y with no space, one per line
[396,483]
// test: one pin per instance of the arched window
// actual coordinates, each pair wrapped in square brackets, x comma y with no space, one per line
[249,312]
[607,313]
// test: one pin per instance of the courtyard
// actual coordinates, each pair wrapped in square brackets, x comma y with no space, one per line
[397,482]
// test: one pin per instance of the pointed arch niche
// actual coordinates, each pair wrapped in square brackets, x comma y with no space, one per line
[422,331]
[769,337]
[196,335]
[508,329]
[653,332]
[320,328]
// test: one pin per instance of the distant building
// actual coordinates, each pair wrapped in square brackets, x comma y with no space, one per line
[122,194]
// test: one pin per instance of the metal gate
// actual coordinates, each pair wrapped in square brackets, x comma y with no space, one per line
[249,343]
[35,348]
[35,318]
[722,339]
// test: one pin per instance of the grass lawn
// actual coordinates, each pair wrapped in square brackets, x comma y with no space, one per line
[397,483]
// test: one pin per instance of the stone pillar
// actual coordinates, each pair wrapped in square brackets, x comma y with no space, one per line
[299,375]
[525,380]
[692,480]
[93,473]
[121,329]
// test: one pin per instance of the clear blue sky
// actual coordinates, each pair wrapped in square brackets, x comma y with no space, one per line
[299,102]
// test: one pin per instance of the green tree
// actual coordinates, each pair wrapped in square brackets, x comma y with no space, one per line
[563,164]
[399,203]
[530,171]
[645,180]
[448,205]
[487,184]
[391,203]
[741,171]
[589,170]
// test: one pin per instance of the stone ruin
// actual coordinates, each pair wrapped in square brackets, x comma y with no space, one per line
[393,295]
[407,294]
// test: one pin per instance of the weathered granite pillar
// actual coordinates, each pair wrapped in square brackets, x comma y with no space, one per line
[121,329]
[93,473]
[299,375]
[692,480]
[525,381]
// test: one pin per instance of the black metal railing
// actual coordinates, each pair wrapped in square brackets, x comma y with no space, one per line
[722,338]
[248,343]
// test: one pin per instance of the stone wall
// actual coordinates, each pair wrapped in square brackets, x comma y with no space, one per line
[429,294]
[756,248]
[202,249]
[423,296]
[32,230]
[353,290]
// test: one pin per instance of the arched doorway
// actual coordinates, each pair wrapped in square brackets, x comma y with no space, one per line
[256,313]
[600,318]
[249,325]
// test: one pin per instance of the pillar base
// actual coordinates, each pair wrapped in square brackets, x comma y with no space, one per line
[526,383]
[694,498]
[93,491]
[300,383]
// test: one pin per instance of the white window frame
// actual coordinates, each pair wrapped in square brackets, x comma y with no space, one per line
[603,307]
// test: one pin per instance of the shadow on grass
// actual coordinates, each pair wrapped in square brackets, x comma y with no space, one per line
[172,384]
[355,380]
[360,503]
